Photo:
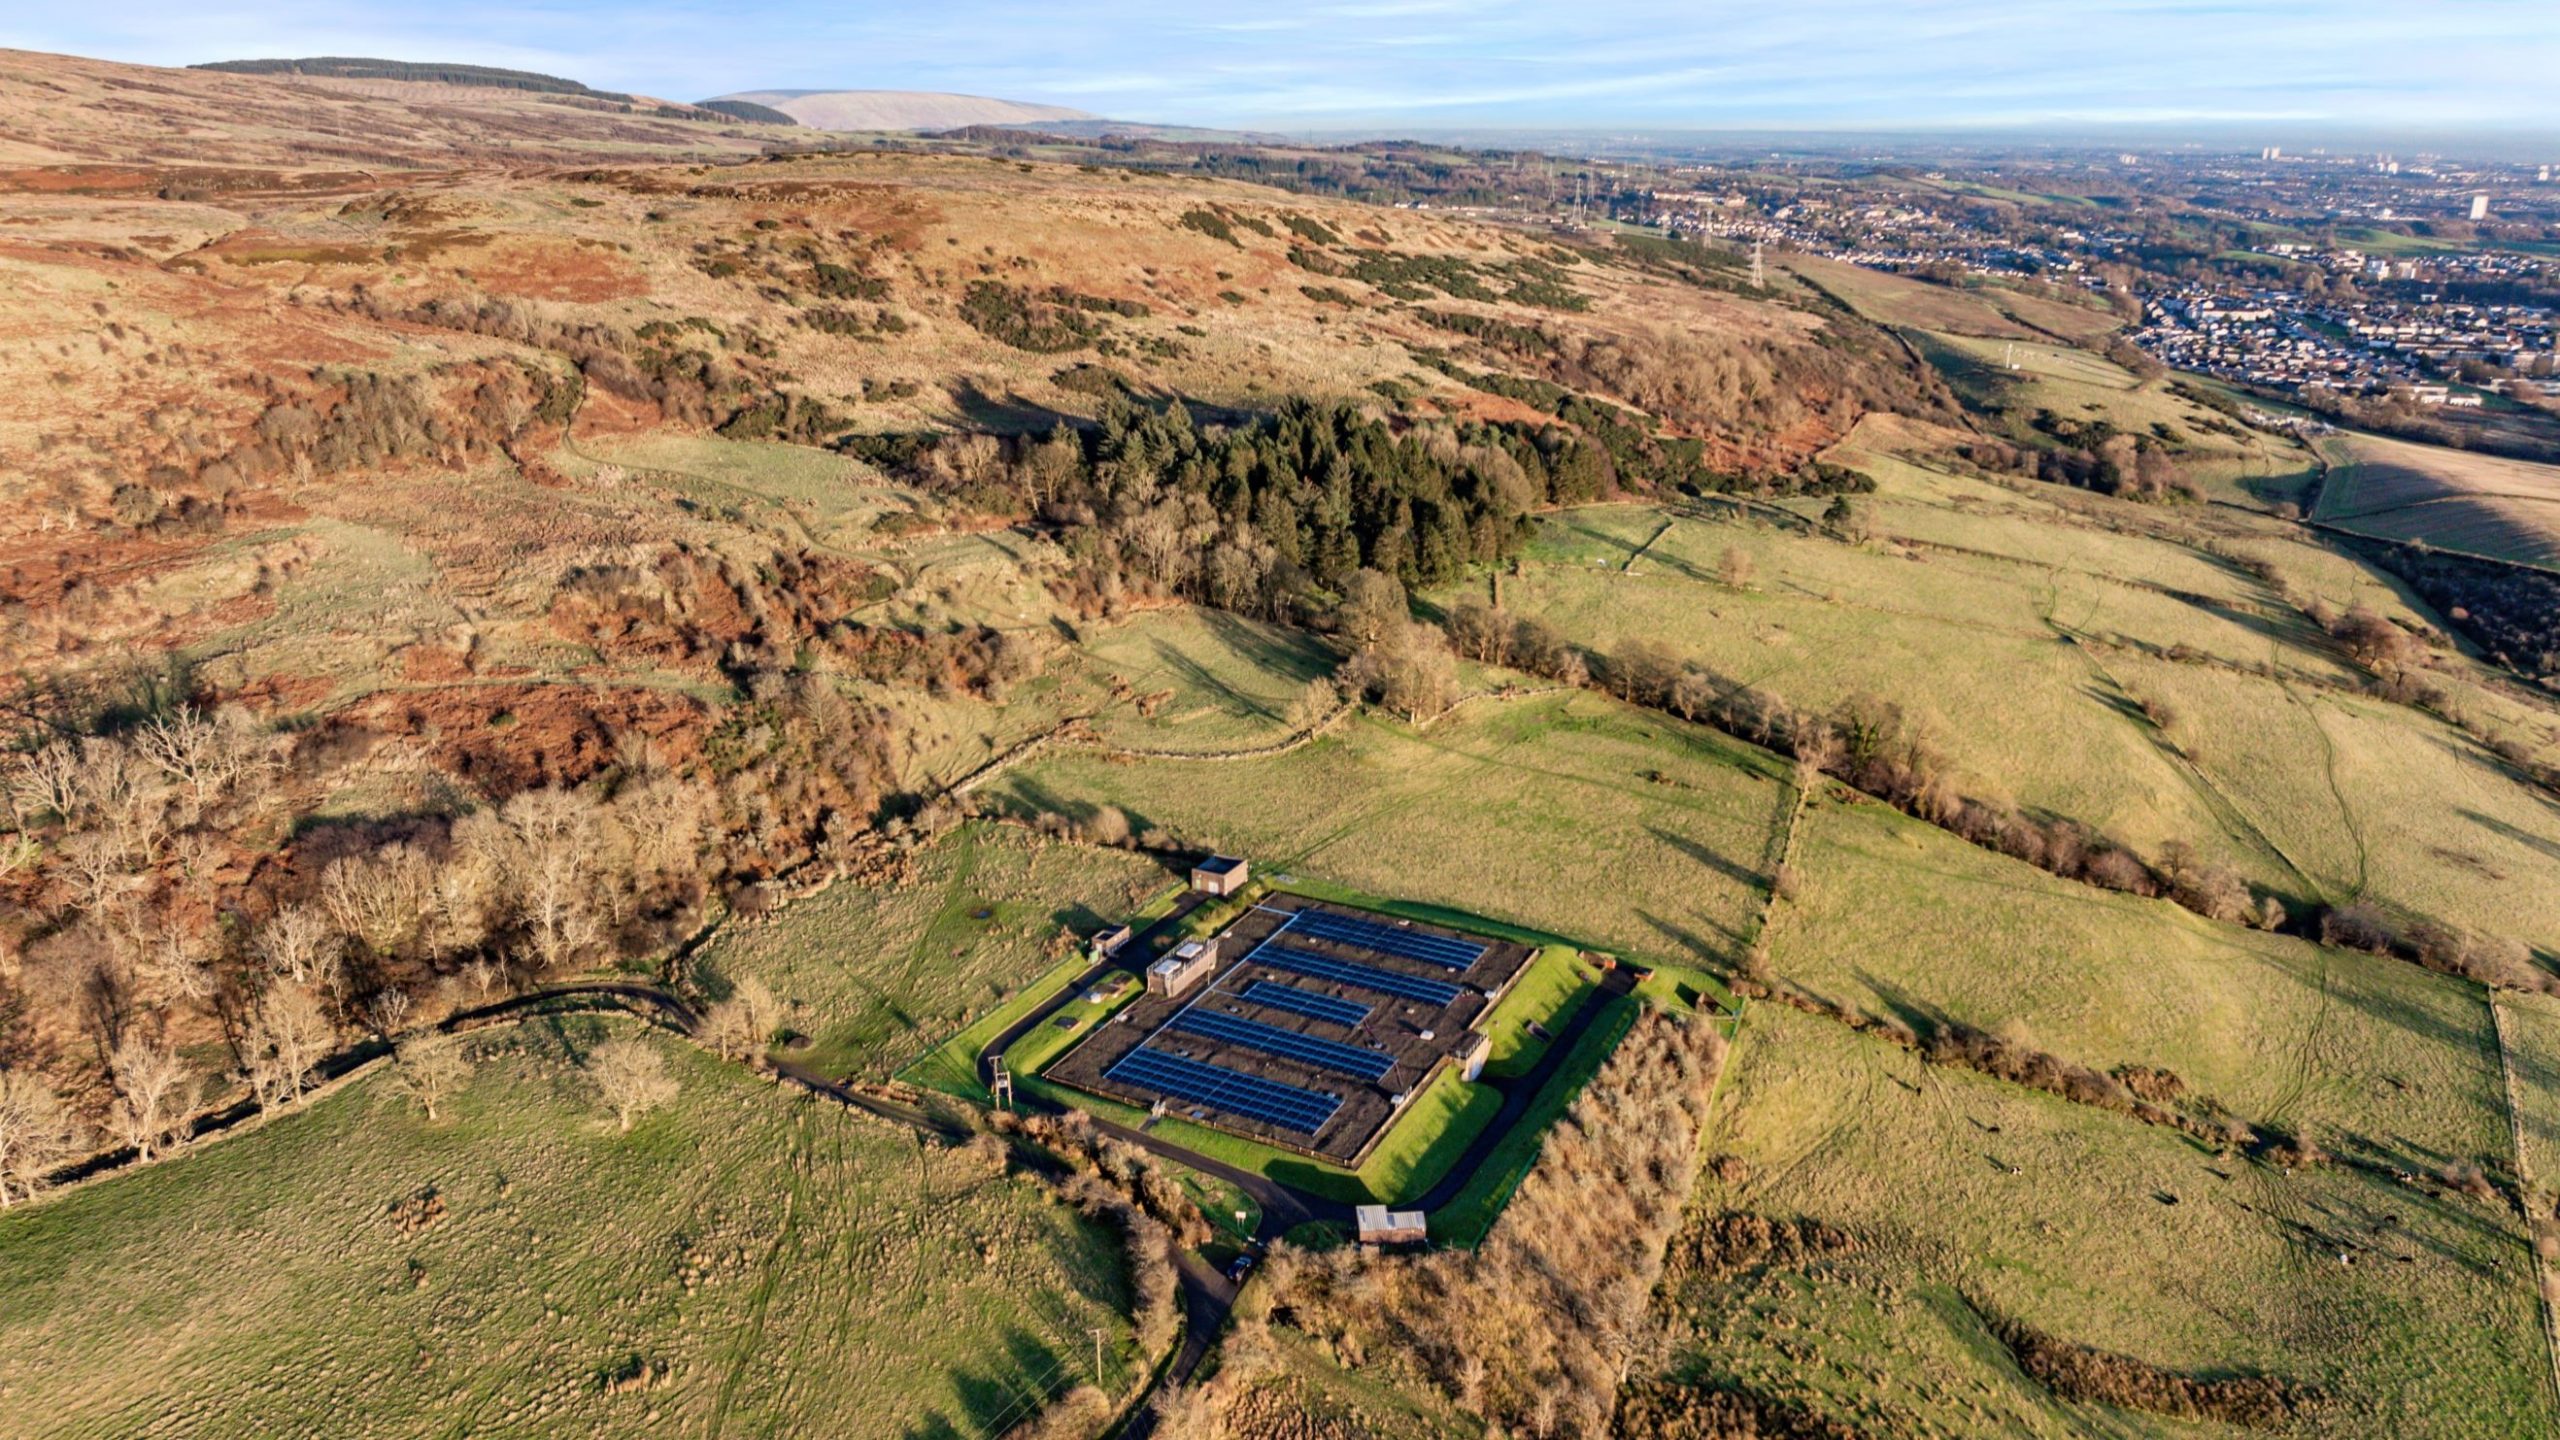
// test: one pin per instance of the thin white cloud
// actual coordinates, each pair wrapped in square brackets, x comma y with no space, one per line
[1529,62]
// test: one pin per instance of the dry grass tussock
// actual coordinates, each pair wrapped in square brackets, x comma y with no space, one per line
[1535,1331]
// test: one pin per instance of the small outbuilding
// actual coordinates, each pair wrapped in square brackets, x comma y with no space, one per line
[1108,943]
[1382,1226]
[1188,965]
[1471,1060]
[1220,875]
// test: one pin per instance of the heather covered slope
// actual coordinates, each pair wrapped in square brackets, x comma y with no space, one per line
[446,483]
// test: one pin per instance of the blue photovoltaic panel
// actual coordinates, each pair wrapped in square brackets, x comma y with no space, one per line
[1359,977]
[1314,1006]
[1356,1060]
[1219,1088]
[1386,939]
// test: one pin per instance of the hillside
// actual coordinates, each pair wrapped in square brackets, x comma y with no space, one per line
[899,109]
[341,67]
[515,469]
[2026,936]
[99,126]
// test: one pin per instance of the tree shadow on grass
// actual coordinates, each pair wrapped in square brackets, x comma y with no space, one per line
[1742,875]
[1007,414]
[1001,1391]
[1719,957]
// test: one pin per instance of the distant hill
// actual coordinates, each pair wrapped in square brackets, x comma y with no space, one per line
[1110,129]
[747,110]
[344,67]
[899,109]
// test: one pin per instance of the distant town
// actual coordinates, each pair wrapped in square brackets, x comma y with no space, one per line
[2417,282]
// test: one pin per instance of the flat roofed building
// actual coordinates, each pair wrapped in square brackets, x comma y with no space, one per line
[1187,966]
[1382,1226]
[1220,875]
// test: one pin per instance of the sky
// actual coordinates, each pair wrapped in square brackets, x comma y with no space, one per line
[2298,66]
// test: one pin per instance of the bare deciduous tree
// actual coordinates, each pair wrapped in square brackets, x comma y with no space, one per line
[285,1040]
[431,1070]
[1410,671]
[631,1077]
[154,1091]
[382,899]
[37,1133]
[389,1009]
[298,944]
[204,757]
[43,782]
[738,1027]
[555,832]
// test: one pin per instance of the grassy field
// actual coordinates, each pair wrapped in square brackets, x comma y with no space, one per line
[2533,1041]
[777,1266]
[797,489]
[2379,1057]
[1969,1198]
[1825,622]
[2068,608]
[1522,812]
[1032,1053]
[870,975]
[2451,499]
[1233,682]
[1551,992]
[2372,800]
[2016,379]
[1987,310]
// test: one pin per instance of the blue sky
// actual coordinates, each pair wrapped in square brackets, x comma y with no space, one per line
[1424,64]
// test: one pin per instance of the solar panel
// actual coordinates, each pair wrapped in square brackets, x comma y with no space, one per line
[1357,1060]
[1359,977]
[1386,939]
[1215,1086]
[1276,996]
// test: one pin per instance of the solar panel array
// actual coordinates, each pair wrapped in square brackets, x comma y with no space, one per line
[1276,996]
[1359,977]
[1419,945]
[1356,1060]
[1287,1106]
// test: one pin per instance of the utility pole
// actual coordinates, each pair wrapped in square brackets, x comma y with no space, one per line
[1759,277]
[1097,1359]
[1003,1086]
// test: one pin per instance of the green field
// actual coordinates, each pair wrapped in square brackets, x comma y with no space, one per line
[1233,683]
[870,975]
[1825,622]
[2450,499]
[2382,1058]
[816,494]
[1967,1197]
[2070,613]
[2013,380]
[778,1265]
[1984,309]
[2371,800]
[1522,812]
